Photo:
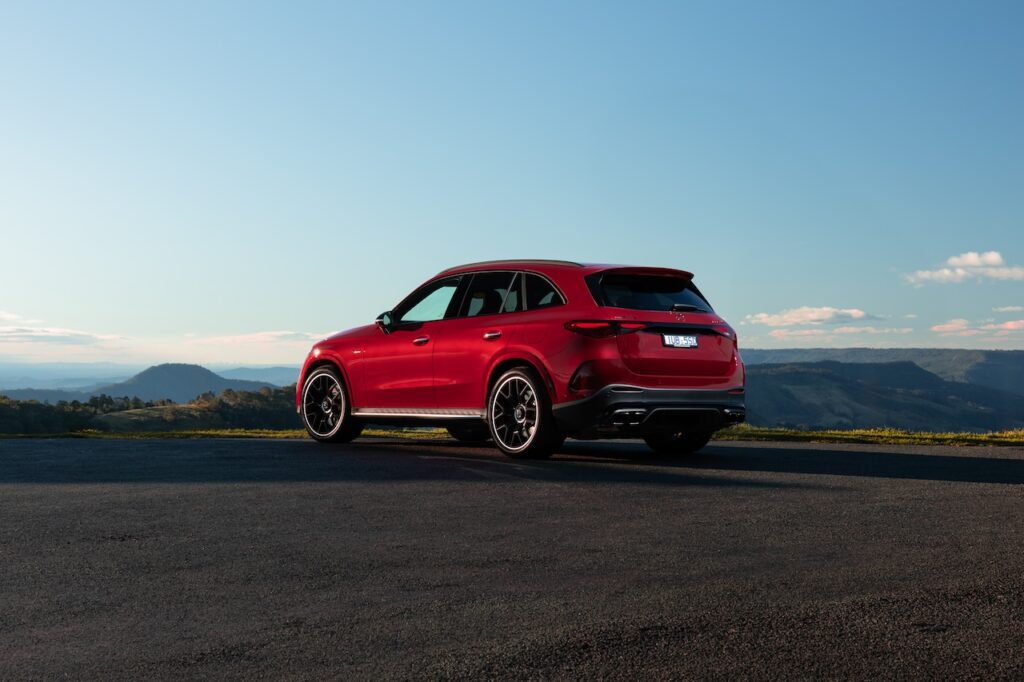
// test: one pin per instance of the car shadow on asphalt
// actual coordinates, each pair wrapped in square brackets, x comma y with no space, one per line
[880,462]
[884,462]
[452,459]
[116,461]
[256,461]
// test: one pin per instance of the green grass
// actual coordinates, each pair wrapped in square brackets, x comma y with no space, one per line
[291,434]
[736,433]
[880,436]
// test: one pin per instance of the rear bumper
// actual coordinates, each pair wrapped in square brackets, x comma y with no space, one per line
[621,410]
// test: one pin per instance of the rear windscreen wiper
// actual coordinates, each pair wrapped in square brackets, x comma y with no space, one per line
[680,307]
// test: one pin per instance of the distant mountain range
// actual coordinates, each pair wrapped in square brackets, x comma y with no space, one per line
[63,375]
[278,376]
[178,382]
[1000,369]
[890,394]
[919,389]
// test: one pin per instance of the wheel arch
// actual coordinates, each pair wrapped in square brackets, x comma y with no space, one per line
[327,361]
[519,359]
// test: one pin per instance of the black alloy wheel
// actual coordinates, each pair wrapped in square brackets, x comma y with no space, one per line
[519,416]
[325,410]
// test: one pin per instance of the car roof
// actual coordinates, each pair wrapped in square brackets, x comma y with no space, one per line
[514,264]
[548,266]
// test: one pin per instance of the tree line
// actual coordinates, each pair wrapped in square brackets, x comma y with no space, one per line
[268,408]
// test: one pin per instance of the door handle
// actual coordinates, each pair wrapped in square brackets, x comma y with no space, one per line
[419,341]
[490,336]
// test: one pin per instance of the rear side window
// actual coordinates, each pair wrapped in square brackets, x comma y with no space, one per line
[540,293]
[514,298]
[647,292]
[486,293]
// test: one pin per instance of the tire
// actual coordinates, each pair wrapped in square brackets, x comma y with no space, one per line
[519,416]
[470,432]
[325,408]
[678,443]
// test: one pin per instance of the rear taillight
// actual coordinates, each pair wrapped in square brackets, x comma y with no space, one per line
[725,330]
[600,329]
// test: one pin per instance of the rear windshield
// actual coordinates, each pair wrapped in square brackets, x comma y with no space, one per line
[647,292]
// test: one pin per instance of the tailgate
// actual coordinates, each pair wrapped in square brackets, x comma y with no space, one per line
[691,347]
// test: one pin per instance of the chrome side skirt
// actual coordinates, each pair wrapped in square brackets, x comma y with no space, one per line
[418,412]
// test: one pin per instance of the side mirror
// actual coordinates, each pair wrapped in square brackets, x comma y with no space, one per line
[385,322]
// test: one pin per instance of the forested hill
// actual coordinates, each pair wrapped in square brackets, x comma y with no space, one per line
[1001,369]
[178,382]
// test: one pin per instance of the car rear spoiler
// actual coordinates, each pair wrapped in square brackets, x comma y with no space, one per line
[649,272]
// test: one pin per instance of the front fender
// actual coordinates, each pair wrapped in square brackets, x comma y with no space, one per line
[319,357]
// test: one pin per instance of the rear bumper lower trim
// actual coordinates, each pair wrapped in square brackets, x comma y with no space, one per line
[634,410]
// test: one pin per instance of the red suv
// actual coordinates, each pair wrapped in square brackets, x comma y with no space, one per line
[529,352]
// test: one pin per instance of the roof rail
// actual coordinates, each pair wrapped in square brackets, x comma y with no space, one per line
[515,261]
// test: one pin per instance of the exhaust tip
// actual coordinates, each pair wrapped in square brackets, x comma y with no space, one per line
[628,417]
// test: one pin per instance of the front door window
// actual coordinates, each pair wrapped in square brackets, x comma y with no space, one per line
[429,303]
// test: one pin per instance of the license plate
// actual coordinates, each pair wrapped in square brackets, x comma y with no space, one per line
[679,341]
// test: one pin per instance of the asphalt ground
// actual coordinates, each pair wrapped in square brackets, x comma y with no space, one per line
[390,559]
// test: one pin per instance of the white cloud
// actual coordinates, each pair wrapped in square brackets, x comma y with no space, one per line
[816,323]
[1012,325]
[795,333]
[807,315]
[1009,309]
[957,327]
[961,327]
[873,330]
[51,335]
[973,259]
[21,330]
[824,333]
[942,276]
[14,318]
[951,326]
[27,340]
[259,338]
[968,266]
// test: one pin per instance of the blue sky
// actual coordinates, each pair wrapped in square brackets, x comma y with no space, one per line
[227,181]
